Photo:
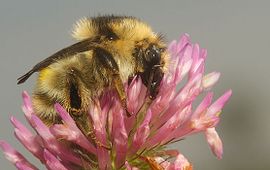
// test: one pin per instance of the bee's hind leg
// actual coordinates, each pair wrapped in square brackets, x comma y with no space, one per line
[79,115]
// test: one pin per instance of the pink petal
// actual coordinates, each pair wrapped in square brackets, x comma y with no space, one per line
[27,104]
[70,131]
[129,167]
[172,47]
[184,70]
[23,166]
[164,131]
[133,94]
[211,117]
[19,126]
[99,122]
[200,110]
[157,107]
[31,142]
[161,103]
[197,68]
[184,40]
[190,90]
[216,107]
[181,163]
[182,131]
[141,134]
[27,108]
[210,80]
[120,137]
[203,54]
[52,144]
[203,123]
[14,156]
[184,64]
[180,60]
[135,105]
[197,61]
[214,142]
[176,47]
[141,95]
[52,162]
[65,115]
[182,99]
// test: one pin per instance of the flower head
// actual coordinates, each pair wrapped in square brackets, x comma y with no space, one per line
[136,142]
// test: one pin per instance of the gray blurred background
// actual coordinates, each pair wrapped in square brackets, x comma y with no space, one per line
[236,34]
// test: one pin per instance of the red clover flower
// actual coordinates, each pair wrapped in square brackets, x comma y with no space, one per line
[136,142]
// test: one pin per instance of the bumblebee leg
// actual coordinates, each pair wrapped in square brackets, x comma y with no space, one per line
[121,92]
[107,61]
[75,102]
[79,115]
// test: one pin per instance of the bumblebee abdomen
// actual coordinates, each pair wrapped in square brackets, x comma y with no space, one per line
[63,82]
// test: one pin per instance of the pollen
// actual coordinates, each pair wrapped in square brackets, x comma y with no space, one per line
[44,74]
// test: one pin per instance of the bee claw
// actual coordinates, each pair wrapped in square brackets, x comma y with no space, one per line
[96,142]
[128,113]
[124,105]
[104,146]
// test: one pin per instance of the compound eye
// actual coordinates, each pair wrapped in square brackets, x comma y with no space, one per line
[112,36]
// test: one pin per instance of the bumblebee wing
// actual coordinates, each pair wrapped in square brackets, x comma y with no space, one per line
[79,47]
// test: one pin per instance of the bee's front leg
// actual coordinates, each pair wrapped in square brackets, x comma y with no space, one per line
[109,64]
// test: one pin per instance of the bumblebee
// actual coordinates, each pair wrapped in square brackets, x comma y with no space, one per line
[110,51]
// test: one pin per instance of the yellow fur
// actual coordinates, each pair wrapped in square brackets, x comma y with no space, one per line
[83,29]
[132,30]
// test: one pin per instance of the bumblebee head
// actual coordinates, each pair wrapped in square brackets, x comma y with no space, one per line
[153,58]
